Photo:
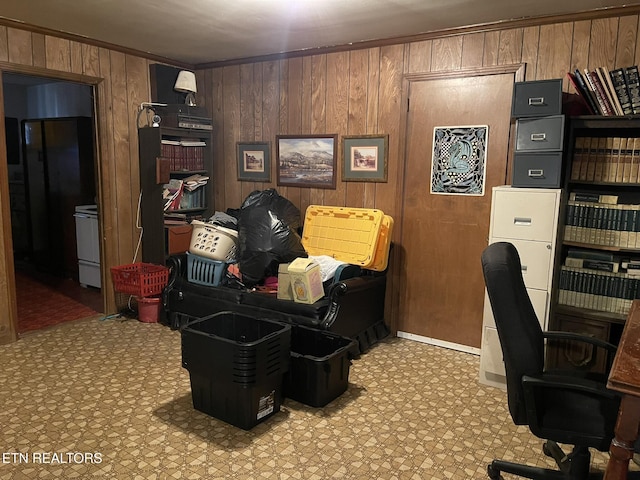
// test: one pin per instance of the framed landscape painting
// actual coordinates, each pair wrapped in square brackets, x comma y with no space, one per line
[254,163]
[306,160]
[364,158]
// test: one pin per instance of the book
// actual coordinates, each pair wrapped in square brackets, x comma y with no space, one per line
[607,86]
[593,197]
[622,90]
[633,150]
[583,94]
[582,80]
[588,264]
[578,156]
[632,77]
[599,255]
[626,159]
[598,89]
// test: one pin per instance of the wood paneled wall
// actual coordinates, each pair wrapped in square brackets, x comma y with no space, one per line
[360,92]
[347,92]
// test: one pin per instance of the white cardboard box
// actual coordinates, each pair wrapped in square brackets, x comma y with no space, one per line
[306,280]
[284,282]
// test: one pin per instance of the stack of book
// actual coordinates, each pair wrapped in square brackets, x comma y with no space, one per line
[598,281]
[600,220]
[604,92]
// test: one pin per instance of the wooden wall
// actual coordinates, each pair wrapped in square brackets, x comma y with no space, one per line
[346,92]
[121,83]
[360,92]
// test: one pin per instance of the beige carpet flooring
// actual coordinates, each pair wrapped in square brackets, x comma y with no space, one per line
[109,399]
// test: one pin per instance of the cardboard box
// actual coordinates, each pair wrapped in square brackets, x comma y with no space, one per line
[306,280]
[178,238]
[284,282]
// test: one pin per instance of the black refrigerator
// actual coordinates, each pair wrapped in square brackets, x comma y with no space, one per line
[58,156]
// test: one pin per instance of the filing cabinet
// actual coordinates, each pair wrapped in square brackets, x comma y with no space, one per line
[527,218]
[540,132]
[538,98]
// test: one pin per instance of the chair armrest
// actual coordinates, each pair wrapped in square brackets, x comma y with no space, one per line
[570,409]
[340,289]
[566,383]
[556,335]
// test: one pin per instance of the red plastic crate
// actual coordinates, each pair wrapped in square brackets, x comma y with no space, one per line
[140,279]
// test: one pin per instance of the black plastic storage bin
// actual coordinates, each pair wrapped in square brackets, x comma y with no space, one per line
[236,365]
[319,370]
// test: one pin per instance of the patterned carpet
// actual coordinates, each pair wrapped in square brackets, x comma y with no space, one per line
[110,399]
[41,306]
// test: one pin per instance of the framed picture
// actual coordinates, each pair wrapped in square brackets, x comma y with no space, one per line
[458,160]
[254,163]
[364,158]
[307,160]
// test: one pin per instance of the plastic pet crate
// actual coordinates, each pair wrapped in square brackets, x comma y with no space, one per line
[204,271]
[214,242]
[140,279]
[236,365]
[319,370]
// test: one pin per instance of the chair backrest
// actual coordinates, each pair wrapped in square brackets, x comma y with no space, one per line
[518,328]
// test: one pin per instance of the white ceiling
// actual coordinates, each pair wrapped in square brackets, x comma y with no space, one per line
[204,31]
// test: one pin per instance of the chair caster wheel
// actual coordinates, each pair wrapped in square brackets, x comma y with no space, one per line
[493,473]
[546,451]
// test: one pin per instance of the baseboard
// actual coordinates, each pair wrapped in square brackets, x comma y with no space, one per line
[439,343]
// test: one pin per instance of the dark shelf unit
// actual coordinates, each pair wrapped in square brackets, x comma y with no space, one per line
[606,325]
[154,248]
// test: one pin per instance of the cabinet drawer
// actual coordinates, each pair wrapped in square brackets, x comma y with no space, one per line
[539,300]
[536,261]
[537,98]
[492,352]
[577,355]
[540,134]
[524,215]
[537,170]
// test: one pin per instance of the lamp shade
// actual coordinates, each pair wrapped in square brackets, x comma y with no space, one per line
[186,82]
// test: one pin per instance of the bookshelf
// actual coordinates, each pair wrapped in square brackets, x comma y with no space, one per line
[173,162]
[599,249]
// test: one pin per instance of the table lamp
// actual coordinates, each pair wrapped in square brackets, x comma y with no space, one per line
[186,83]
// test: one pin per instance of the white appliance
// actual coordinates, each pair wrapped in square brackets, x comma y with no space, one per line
[88,245]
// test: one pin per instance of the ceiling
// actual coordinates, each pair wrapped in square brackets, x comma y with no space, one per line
[196,32]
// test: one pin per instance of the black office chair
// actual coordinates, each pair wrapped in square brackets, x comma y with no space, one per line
[563,407]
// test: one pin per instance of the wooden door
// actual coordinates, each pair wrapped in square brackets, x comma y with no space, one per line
[442,288]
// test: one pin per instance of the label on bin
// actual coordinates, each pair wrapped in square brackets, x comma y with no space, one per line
[266,405]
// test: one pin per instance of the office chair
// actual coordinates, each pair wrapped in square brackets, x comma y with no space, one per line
[558,407]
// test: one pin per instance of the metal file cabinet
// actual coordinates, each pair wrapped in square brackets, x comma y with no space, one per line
[527,218]
[540,132]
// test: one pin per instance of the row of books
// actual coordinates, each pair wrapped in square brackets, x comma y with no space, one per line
[603,224]
[606,159]
[604,92]
[184,154]
[596,290]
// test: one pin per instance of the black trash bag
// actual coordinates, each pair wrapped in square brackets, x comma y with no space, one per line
[267,235]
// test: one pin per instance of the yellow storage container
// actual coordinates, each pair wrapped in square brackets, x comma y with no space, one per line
[345,233]
[381,258]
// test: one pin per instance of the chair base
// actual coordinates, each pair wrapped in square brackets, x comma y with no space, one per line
[574,466]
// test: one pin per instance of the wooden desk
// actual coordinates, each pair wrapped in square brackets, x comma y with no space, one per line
[625,378]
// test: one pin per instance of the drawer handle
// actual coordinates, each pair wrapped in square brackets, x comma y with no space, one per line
[536,173]
[523,268]
[538,137]
[536,101]
[522,221]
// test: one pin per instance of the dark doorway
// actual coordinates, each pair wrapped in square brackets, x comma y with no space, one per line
[51,173]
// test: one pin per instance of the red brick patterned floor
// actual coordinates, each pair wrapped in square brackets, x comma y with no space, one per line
[43,302]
